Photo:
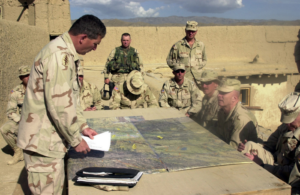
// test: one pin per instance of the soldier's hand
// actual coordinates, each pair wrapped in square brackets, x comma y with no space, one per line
[93,108]
[89,132]
[187,114]
[82,147]
[106,81]
[241,146]
[254,158]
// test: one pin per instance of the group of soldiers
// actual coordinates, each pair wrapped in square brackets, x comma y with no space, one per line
[43,123]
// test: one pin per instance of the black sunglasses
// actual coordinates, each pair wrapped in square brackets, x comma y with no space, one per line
[206,83]
[180,70]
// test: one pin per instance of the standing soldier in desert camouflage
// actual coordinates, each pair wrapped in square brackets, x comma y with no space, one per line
[133,93]
[208,115]
[181,93]
[297,59]
[121,61]
[90,98]
[52,117]
[189,51]
[9,130]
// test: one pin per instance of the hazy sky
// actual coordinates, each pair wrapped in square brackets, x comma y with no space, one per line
[236,9]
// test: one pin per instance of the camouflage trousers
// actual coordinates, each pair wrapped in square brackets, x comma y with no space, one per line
[9,132]
[256,149]
[45,174]
[119,78]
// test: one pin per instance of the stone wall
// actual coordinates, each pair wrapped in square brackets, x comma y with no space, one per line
[20,43]
[51,15]
[274,44]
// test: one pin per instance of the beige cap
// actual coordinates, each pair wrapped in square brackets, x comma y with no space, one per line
[191,25]
[230,85]
[135,82]
[24,70]
[179,67]
[80,71]
[290,107]
[209,75]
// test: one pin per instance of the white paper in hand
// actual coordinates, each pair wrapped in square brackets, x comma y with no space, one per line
[100,141]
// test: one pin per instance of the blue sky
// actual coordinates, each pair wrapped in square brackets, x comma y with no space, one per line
[235,9]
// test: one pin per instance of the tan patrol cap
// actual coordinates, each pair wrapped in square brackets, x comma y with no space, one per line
[229,85]
[179,67]
[24,70]
[209,75]
[80,71]
[135,82]
[191,25]
[289,107]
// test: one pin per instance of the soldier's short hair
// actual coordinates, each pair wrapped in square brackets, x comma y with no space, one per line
[89,25]
[125,34]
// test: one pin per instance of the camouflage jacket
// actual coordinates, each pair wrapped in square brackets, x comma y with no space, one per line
[238,125]
[123,99]
[297,49]
[15,103]
[194,58]
[208,115]
[52,116]
[186,97]
[90,96]
[111,57]
[285,146]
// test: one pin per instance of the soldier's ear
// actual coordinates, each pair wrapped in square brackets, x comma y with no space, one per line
[82,38]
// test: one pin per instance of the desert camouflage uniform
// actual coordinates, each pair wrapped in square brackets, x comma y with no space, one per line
[194,58]
[52,116]
[240,124]
[119,78]
[90,96]
[123,99]
[14,107]
[186,97]
[208,115]
[297,59]
[284,146]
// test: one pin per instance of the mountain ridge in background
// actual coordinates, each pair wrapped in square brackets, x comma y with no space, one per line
[202,21]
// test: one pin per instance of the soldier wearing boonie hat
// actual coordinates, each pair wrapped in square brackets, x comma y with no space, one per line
[208,115]
[90,98]
[282,145]
[133,93]
[9,130]
[181,93]
[235,122]
[189,52]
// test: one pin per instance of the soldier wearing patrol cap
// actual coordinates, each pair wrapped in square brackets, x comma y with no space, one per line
[235,122]
[90,98]
[280,155]
[181,93]
[9,130]
[133,93]
[121,61]
[208,115]
[189,52]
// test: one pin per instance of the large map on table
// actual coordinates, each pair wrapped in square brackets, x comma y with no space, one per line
[155,146]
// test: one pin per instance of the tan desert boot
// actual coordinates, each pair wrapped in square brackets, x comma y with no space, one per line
[18,156]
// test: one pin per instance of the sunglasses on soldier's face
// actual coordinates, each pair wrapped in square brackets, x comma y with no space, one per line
[178,71]
[206,83]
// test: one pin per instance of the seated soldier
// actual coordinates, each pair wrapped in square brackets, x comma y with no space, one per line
[280,155]
[133,93]
[208,115]
[9,130]
[181,93]
[90,98]
[235,122]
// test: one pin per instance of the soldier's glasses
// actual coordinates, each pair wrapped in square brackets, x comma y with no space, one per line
[178,71]
[206,83]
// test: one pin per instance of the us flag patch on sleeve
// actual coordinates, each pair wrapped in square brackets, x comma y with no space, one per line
[116,88]
[11,91]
